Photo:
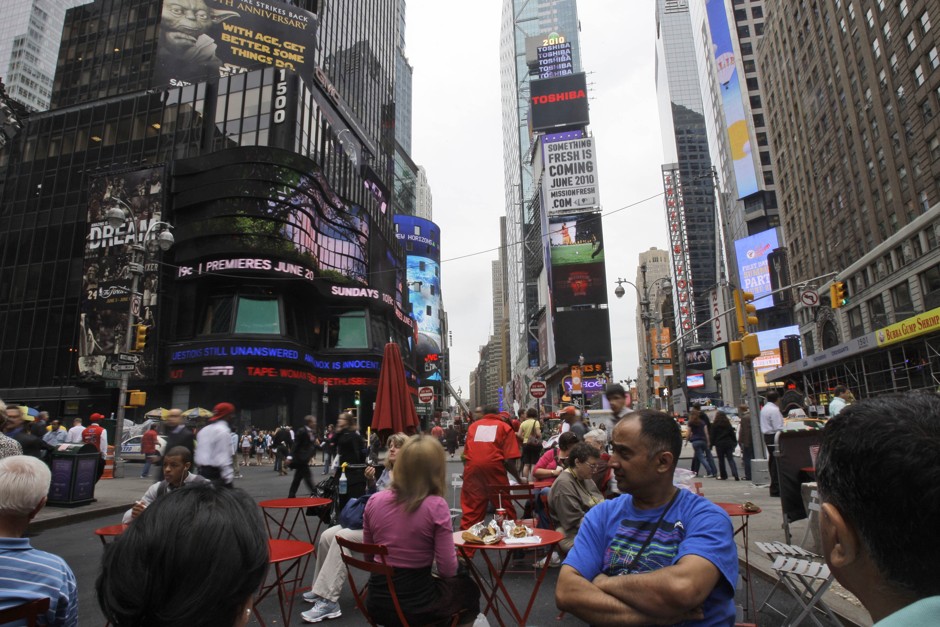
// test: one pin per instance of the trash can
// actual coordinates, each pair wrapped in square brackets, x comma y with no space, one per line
[74,470]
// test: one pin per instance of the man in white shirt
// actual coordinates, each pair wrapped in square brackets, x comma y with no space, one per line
[771,421]
[75,433]
[214,446]
[838,403]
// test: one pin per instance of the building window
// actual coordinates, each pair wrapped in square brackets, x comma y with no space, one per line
[258,316]
[856,328]
[934,57]
[911,41]
[901,298]
[876,311]
[218,315]
[894,63]
[919,75]
[903,8]
[887,31]
[348,330]
[870,18]
[930,283]
[876,47]
[925,22]
[935,147]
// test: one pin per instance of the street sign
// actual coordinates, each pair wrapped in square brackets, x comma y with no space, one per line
[426,394]
[423,408]
[662,361]
[110,374]
[129,358]
[122,367]
[538,389]
[809,298]
[112,383]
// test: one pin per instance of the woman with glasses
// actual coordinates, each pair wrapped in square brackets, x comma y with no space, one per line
[573,493]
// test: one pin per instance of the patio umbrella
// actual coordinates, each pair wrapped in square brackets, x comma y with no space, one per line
[159,412]
[32,411]
[197,412]
[394,408]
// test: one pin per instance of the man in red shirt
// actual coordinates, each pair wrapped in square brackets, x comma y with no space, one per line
[148,446]
[491,451]
[98,436]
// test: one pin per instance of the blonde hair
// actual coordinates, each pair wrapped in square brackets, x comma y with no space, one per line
[419,472]
[398,439]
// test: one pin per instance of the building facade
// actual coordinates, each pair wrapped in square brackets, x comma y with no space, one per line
[285,281]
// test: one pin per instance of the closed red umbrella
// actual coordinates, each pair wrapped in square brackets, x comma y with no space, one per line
[394,409]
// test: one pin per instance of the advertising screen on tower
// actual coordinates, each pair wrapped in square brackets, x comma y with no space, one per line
[200,39]
[753,271]
[106,281]
[558,102]
[732,100]
[569,177]
[421,240]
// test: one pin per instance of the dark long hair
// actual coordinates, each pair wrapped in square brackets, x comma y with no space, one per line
[194,557]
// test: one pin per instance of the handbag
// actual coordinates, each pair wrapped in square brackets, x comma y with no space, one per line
[326,489]
[351,516]
[533,440]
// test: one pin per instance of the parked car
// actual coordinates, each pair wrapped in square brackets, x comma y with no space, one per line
[130,449]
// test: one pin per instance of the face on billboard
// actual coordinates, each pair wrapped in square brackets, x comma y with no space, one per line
[576,239]
[753,271]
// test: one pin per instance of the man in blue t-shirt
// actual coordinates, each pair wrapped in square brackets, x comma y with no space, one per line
[657,554]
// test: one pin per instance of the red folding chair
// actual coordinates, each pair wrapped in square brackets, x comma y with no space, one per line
[511,496]
[29,611]
[380,567]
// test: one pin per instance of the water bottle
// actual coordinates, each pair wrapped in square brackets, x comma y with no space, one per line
[343,484]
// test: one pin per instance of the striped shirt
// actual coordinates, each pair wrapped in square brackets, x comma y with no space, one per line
[27,573]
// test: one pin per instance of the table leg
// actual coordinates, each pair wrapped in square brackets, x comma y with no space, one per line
[486,589]
[281,525]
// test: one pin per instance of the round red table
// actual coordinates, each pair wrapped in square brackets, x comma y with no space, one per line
[277,511]
[111,531]
[735,509]
[493,587]
[288,579]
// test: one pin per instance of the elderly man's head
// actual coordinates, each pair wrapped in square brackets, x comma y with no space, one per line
[24,484]
[596,438]
[14,417]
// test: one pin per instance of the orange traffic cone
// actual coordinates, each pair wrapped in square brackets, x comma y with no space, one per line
[109,464]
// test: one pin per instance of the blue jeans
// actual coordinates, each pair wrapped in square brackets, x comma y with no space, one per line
[704,456]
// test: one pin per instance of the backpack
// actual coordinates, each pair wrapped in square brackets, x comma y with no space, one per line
[326,489]
[352,514]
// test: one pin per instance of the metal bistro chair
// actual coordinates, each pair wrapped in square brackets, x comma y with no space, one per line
[29,611]
[802,573]
[380,567]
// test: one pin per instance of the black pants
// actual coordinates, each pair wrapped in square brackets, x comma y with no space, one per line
[772,463]
[301,472]
[213,474]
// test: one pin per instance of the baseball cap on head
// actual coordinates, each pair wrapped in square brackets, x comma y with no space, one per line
[222,410]
[569,410]
[96,417]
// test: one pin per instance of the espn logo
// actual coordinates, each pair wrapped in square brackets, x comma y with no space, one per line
[218,371]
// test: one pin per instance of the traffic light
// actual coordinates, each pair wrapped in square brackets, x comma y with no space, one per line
[745,310]
[837,294]
[357,398]
[735,352]
[751,346]
[140,337]
[137,398]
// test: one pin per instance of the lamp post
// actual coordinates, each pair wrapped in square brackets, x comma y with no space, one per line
[157,236]
[647,317]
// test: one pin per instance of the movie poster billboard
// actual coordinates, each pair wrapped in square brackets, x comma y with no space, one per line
[732,100]
[202,39]
[753,269]
[107,280]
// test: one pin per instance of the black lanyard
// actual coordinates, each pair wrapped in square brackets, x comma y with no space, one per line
[652,533]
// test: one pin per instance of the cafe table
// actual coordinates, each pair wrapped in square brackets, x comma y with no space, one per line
[111,531]
[497,557]
[737,510]
[277,511]
[290,559]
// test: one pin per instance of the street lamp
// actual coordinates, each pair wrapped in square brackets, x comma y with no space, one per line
[647,317]
[157,237]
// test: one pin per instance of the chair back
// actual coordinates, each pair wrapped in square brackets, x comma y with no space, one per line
[29,611]
[522,494]
[376,566]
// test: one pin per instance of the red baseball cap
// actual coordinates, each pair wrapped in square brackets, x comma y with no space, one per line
[221,411]
[96,417]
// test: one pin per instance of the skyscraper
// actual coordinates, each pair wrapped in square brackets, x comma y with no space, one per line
[29,47]
[522,19]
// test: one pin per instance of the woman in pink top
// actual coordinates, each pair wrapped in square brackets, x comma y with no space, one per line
[413,520]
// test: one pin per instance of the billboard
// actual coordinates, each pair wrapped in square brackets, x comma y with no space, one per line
[579,284]
[732,99]
[698,359]
[106,281]
[695,380]
[555,59]
[753,270]
[569,178]
[769,359]
[201,39]
[576,239]
[421,240]
[558,102]
[679,251]
[582,332]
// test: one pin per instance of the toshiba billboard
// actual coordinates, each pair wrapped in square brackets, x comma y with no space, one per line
[558,102]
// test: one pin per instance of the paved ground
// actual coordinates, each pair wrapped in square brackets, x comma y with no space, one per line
[69,533]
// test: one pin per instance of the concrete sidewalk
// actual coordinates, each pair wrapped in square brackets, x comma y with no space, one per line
[114,496]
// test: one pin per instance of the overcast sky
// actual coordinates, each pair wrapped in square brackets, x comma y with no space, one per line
[457,137]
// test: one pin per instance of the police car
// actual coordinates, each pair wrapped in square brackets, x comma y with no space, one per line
[130,449]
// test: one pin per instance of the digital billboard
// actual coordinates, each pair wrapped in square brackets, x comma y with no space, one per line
[576,239]
[421,240]
[582,332]
[200,39]
[769,359]
[106,281]
[569,179]
[695,380]
[753,270]
[579,284]
[558,102]
[732,100]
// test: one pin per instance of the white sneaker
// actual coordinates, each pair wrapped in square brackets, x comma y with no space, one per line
[322,610]
[310,597]
[554,563]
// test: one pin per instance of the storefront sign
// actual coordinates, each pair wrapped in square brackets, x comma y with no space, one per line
[911,327]
[265,372]
[243,351]
[255,264]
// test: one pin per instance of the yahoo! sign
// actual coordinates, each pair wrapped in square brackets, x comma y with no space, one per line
[588,385]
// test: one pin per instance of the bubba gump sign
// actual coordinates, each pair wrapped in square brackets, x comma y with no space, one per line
[912,327]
